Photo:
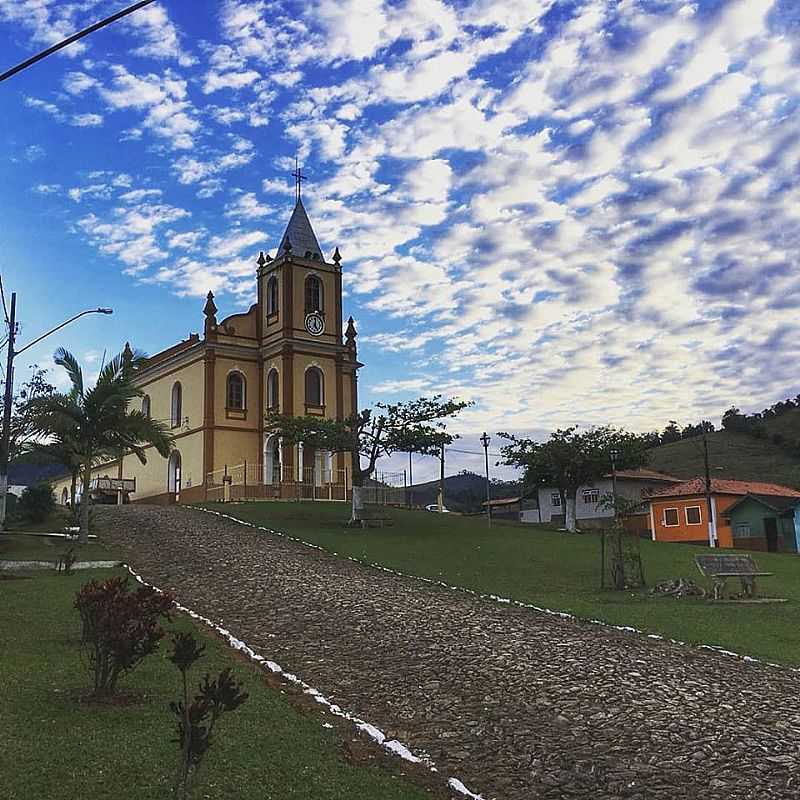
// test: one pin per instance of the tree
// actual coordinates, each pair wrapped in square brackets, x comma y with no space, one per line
[23,430]
[672,433]
[415,426]
[734,420]
[97,423]
[570,459]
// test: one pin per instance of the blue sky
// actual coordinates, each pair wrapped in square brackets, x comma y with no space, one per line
[569,212]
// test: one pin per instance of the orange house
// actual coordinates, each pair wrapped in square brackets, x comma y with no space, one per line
[680,513]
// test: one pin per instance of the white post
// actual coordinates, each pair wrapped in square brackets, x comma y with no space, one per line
[300,463]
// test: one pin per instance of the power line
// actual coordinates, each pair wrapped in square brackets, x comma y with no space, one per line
[74,38]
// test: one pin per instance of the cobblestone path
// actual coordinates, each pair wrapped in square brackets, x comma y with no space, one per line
[517,704]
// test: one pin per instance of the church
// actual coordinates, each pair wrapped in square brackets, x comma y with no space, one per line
[289,353]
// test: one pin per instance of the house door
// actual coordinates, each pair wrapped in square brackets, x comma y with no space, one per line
[771,531]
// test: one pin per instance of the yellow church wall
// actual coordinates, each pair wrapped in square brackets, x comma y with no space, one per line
[229,417]
[151,478]
[233,448]
[328,367]
[159,390]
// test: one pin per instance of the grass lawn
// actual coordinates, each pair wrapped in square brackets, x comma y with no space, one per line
[55,522]
[551,569]
[56,747]
[24,547]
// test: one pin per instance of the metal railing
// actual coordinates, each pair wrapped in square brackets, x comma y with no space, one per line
[251,481]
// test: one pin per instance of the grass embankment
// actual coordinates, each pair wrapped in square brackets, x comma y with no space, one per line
[732,455]
[552,569]
[58,747]
[25,547]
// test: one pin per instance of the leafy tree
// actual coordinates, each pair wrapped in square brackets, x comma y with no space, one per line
[23,431]
[672,433]
[570,459]
[36,503]
[411,426]
[734,420]
[96,423]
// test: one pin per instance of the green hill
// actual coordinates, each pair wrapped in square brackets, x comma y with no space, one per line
[735,455]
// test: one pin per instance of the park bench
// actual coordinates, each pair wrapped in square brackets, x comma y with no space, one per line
[371,515]
[719,567]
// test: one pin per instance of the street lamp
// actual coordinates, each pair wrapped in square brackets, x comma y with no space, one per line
[485,439]
[614,456]
[9,390]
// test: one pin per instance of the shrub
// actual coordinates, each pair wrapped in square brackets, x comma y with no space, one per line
[196,719]
[36,503]
[120,628]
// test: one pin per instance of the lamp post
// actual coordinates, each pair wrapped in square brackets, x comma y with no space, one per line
[8,398]
[614,456]
[485,439]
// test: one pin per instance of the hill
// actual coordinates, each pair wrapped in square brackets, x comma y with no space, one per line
[463,492]
[735,455]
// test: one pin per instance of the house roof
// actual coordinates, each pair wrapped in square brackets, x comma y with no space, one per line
[697,486]
[301,235]
[772,502]
[503,501]
[644,475]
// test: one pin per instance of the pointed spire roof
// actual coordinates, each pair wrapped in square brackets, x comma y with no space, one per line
[301,235]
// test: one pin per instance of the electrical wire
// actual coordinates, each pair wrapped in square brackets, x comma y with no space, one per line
[3,296]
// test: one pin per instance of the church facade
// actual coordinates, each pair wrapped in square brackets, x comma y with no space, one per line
[289,353]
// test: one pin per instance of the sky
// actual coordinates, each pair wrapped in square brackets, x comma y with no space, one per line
[568,212]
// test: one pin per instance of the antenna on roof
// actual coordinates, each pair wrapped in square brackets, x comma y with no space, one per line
[298,180]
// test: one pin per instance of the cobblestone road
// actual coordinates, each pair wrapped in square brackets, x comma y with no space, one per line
[517,704]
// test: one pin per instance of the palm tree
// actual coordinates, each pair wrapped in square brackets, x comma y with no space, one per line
[97,423]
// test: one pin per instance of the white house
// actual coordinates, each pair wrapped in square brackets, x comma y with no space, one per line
[632,484]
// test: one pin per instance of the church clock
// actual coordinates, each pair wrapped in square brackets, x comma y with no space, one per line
[315,324]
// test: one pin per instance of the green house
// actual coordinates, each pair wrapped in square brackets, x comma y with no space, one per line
[765,522]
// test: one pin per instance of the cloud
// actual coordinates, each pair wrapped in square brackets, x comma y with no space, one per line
[246,206]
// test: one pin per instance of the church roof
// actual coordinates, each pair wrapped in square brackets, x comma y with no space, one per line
[301,235]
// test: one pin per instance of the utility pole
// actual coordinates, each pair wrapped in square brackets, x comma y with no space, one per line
[441,479]
[8,399]
[485,439]
[712,528]
[410,482]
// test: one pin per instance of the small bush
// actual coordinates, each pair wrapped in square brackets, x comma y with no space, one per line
[120,628]
[36,503]
[196,719]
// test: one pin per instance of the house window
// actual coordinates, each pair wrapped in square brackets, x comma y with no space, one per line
[177,404]
[146,406]
[272,296]
[693,516]
[315,395]
[591,496]
[671,518]
[234,397]
[272,390]
[555,500]
[313,294]
[743,531]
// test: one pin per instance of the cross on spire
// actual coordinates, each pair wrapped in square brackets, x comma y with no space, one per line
[298,179]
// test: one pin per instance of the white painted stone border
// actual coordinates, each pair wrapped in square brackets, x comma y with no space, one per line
[392,745]
[508,601]
[16,565]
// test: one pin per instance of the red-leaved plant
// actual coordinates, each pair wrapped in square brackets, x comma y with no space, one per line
[120,628]
[196,719]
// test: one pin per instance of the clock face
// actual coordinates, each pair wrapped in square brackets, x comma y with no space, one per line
[315,325]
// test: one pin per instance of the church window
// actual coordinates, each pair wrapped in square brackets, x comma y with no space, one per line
[235,391]
[146,406]
[313,294]
[272,389]
[177,404]
[272,296]
[315,395]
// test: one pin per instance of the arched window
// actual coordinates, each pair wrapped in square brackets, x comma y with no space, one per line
[177,404]
[272,390]
[174,473]
[272,296]
[234,396]
[315,381]
[313,294]
[146,405]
